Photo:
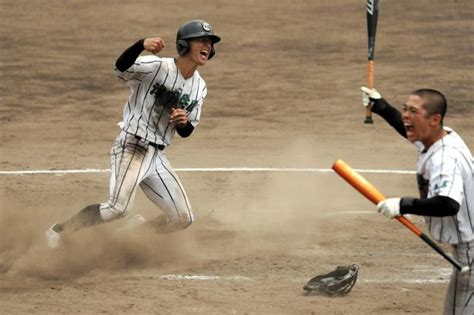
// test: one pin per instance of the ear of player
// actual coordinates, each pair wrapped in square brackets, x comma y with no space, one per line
[373,194]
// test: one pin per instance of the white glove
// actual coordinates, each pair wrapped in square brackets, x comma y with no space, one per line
[389,207]
[368,94]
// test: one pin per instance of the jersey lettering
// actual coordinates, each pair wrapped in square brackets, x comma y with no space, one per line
[165,98]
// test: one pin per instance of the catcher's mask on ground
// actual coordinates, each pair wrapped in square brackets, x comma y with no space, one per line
[195,29]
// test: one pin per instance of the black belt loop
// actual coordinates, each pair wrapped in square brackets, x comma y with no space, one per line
[160,147]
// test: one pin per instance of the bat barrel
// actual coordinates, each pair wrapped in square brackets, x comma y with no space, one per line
[357,181]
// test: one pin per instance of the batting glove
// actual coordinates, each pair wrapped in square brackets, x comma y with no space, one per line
[369,95]
[389,207]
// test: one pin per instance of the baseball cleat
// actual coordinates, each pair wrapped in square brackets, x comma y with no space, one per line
[53,238]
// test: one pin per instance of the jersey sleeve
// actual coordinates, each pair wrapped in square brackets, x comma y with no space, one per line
[195,114]
[141,68]
[446,177]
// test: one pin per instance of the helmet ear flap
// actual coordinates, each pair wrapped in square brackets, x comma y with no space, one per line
[213,52]
[182,46]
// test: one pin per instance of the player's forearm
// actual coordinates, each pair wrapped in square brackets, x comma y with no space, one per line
[438,206]
[128,57]
[186,130]
[390,114]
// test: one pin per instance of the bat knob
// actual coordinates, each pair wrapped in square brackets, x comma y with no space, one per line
[368,120]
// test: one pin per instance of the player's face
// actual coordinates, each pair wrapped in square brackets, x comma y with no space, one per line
[200,50]
[418,123]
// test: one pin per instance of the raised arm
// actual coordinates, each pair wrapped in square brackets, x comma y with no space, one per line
[128,57]
[382,108]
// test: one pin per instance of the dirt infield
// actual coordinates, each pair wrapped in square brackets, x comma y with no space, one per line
[283,93]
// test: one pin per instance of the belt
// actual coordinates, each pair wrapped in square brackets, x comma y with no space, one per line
[160,147]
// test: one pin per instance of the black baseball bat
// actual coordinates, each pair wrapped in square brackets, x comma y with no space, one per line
[372,7]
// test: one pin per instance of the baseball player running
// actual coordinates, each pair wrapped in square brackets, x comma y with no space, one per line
[166,97]
[445,175]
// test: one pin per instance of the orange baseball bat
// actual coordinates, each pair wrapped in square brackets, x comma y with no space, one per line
[367,189]
[374,195]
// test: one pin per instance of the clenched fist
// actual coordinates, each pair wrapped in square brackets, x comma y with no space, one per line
[179,117]
[154,44]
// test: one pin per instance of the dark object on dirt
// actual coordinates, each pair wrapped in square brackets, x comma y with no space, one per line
[338,282]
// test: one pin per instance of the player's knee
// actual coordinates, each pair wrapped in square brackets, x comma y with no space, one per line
[110,212]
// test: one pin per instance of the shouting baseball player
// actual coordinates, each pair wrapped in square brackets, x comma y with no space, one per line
[445,175]
[166,96]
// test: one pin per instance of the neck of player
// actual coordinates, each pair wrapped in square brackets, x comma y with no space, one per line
[186,66]
[436,136]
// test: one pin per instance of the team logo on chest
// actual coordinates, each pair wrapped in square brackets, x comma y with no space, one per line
[443,184]
[186,103]
[165,97]
[172,99]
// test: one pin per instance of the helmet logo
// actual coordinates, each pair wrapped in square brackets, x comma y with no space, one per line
[206,26]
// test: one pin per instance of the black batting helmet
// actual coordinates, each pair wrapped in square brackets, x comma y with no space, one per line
[194,29]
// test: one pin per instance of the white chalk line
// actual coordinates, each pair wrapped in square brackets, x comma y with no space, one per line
[407,281]
[425,275]
[350,212]
[206,169]
[436,278]
[203,277]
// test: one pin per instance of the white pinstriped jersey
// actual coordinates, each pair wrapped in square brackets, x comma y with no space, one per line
[144,114]
[446,169]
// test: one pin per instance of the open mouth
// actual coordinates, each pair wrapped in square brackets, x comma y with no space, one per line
[409,128]
[204,53]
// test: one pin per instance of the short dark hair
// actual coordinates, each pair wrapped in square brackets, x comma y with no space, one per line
[435,101]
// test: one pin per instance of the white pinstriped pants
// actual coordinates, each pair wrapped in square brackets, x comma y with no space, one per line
[460,295]
[134,163]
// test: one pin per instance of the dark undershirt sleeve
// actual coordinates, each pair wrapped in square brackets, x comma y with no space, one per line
[128,57]
[186,130]
[391,115]
[437,206]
